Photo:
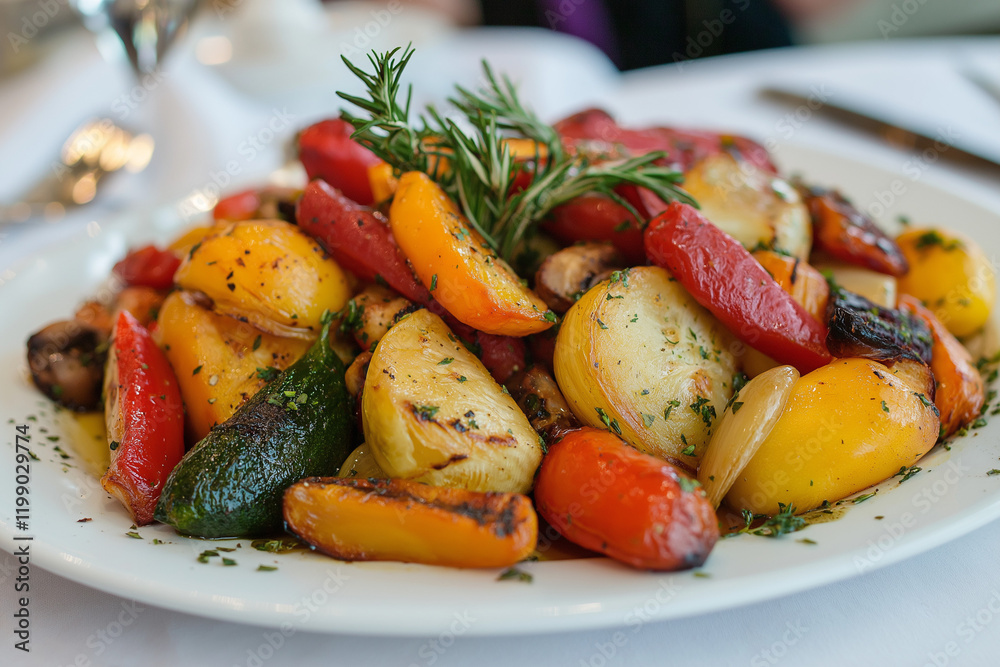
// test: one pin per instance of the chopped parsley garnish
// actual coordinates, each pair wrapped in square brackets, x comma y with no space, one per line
[514,574]
[425,412]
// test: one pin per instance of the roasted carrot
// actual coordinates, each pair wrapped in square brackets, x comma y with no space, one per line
[457,266]
[801,280]
[394,519]
[960,390]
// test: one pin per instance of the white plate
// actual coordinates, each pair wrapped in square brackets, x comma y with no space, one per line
[951,497]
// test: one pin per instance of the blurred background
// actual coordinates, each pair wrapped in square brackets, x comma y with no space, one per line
[219,87]
[633,33]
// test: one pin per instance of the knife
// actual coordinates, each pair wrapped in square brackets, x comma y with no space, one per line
[895,133]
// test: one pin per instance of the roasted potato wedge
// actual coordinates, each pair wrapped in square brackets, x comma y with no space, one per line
[638,355]
[751,205]
[432,413]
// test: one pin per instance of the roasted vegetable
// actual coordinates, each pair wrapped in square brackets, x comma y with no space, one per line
[67,363]
[638,355]
[860,328]
[457,266]
[951,275]
[358,238]
[538,396]
[803,282]
[724,278]
[148,266]
[144,419]
[231,483]
[268,203]
[371,312]
[220,362]
[846,426]
[593,132]
[960,391]
[361,464]
[328,152]
[605,496]
[844,232]
[879,288]
[598,218]
[743,427]
[268,273]
[433,414]
[565,275]
[755,207]
[503,356]
[369,519]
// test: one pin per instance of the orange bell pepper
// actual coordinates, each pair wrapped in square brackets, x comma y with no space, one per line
[394,519]
[457,266]
[960,390]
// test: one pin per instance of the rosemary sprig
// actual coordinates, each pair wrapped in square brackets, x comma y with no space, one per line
[481,167]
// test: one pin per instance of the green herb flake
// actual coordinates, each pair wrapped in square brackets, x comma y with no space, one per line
[885,408]
[736,406]
[648,419]
[514,574]
[434,282]
[228,562]
[993,472]
[687,484]
[425,412]
[256,343]
[205,555]
[267,374]
[446,361]
[266,568]
[275,546]
[197,370]
[134,535]
[867,496]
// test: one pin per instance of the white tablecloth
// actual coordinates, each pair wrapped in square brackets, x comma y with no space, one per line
[936,608]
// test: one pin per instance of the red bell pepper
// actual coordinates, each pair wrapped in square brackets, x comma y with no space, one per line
[328,152]
[236,207]
[358,239]
[145,419]
[148,267]
[683,147]
[724,278]
[598,217]
[502,355]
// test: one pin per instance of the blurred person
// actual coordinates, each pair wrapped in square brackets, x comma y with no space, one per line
[642,33]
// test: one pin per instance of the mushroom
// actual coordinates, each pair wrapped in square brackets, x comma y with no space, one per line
[564,276]
[67,363]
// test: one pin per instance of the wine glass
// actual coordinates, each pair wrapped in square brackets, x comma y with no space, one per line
[146,28]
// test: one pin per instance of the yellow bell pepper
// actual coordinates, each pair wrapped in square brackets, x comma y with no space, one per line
[216,359]
[267,272]
[951,275]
